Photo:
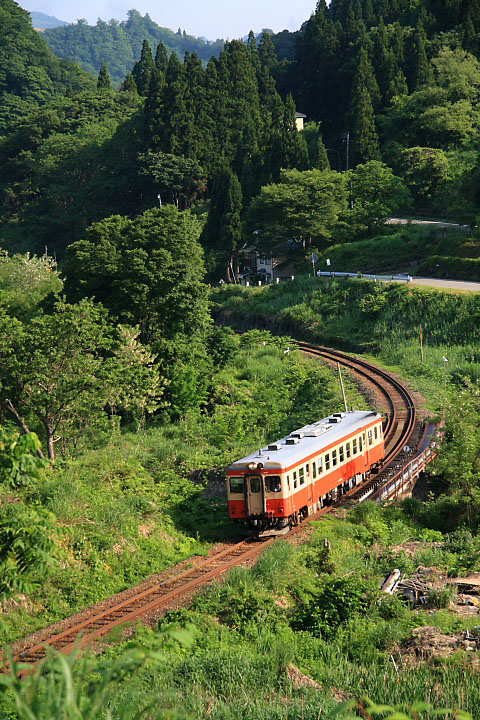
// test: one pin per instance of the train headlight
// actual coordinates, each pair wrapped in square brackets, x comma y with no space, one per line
[252,466]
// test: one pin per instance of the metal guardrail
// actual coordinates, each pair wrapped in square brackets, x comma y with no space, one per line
[405,478]
[364,276]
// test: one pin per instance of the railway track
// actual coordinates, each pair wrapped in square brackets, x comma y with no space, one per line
[401,426]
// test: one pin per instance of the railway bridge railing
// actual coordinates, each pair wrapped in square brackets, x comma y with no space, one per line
[403,480]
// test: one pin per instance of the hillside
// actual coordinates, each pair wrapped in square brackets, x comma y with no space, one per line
[40,21]
[119,43]
[30,73]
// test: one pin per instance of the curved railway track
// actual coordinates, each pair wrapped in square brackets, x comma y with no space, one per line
[157,598]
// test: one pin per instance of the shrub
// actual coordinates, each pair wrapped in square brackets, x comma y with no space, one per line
[338,600]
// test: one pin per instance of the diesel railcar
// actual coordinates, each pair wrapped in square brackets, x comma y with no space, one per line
[278,486]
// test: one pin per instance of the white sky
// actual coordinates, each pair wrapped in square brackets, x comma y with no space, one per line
[211,18]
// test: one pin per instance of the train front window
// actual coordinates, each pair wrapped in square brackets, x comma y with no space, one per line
[255,484]
[273,483]
[236,485]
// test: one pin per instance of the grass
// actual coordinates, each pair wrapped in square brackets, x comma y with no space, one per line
[231,654]
[137,506]
[381,320]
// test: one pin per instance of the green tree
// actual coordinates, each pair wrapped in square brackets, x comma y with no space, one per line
[376,193]
[161,58]
[52,366]
[129,84]
[25,281]
[176,179]
[302,209]
[365,142]
[104,82]
[134,383]
[27,535]
[143,69]
[21,459]
[27,548]
[418,70]
[317,154]
[223,230]
[424,170]
[147,272]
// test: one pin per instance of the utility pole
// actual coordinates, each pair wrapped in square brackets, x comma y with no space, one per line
[342,386]
[347,140]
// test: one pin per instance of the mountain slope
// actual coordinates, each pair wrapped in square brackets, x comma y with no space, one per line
[30,73]
[120,43]
[40,21]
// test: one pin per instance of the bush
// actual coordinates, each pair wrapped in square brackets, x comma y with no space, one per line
[338,600]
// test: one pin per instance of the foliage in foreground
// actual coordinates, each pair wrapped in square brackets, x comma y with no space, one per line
[134,504]
[239,651]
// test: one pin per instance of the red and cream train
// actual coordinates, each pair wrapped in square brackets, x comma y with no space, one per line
[284,482]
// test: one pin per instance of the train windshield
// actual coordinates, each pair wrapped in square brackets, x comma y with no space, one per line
[273,483]
[236,485]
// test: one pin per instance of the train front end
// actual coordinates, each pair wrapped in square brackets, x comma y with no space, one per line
[257,495]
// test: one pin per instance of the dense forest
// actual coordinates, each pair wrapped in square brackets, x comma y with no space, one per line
[119,43]
[123,211]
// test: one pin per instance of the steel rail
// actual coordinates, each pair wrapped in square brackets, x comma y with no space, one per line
[160,594]
[381,379]
[131,609]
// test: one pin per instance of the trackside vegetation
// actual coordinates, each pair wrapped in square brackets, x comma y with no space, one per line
[125,390]
[136,504]
[306,632]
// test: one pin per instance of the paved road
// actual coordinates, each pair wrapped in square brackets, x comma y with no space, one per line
[432,223]
[447,284]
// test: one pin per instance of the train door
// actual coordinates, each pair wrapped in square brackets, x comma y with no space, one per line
[254,495]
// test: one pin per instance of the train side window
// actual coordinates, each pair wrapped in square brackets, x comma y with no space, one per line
[375,430]
[320,465]
[314,470]
[307,470]
[327,461]
[295,479]
[370,437]
[355,446]
[236,485]
[301,474]
[360,444]
[273,483]
[334,458]
[288,481]
[341,454]
[348,450]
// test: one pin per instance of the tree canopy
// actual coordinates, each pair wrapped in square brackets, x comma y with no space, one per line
[299,211]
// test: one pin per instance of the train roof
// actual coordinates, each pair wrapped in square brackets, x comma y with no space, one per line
[307,440]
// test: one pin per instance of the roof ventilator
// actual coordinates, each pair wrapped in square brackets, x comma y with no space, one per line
[275,446]
[292,440]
